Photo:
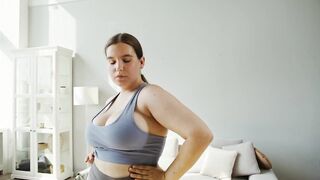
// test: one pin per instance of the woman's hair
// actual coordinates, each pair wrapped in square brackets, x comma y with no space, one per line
[131,41]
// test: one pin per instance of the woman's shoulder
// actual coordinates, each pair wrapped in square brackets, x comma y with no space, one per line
[154,92]
[150,95]
[152,89]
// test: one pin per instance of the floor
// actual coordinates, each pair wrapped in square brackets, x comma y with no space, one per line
[4,177]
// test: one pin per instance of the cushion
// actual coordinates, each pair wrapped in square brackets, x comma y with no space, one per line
[218,163]
[246,162]
[219,142]
[264,175]
[263,161]
[165,161]
[170,147]
[196,176]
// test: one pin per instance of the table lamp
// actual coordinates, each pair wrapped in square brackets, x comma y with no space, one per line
[85,96]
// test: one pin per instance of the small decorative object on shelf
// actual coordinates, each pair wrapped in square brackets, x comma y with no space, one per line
[42,113]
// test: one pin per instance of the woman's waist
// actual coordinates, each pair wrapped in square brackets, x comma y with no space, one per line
[112,169]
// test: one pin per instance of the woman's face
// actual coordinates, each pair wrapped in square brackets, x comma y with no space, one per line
[124,65]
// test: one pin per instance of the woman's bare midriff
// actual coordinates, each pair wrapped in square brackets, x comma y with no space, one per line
[114,170]
[144,122]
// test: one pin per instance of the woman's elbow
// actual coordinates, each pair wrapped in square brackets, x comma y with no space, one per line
[203,135]
[208,136]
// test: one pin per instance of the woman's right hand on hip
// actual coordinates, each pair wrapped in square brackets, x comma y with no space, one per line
[90,158]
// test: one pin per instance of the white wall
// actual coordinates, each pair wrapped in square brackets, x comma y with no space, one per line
[249,68]
[13,21]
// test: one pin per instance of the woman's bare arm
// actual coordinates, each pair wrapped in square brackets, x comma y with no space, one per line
[173,115]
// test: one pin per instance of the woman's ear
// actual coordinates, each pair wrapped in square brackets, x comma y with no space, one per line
[142,61]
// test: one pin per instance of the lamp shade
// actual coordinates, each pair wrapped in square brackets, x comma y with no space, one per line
[85,95]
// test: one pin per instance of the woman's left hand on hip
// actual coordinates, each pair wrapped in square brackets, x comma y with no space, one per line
[146,172]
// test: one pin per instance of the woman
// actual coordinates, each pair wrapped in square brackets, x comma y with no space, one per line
[128,134]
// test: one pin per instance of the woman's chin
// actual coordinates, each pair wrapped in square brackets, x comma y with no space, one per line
[121,84]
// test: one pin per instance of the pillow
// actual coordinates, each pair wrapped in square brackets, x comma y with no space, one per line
[263,161]
[219,142]
[246,162]
[218,163]
[170,147]
[164,162]
[169,153]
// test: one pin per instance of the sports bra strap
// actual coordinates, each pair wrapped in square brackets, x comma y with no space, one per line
[133,99]
[109,103]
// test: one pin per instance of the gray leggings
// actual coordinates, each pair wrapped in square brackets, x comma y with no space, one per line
[96,174]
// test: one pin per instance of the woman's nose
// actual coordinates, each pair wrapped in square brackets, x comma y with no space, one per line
[119,66]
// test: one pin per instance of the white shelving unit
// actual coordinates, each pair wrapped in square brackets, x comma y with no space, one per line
[42,113]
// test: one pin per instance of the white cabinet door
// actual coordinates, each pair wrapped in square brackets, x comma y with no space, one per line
[43,113]
[44,153]
[23,75]
[44,75]
[23,152]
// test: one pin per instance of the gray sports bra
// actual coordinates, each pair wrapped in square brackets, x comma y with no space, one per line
[123,141]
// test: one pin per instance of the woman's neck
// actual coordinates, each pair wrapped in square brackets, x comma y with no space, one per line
[132,87]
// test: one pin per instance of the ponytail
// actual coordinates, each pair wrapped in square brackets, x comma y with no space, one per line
[144,78]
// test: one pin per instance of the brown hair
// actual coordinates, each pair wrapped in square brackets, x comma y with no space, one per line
[131,41]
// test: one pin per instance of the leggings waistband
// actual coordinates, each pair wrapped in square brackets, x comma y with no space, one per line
[96,174]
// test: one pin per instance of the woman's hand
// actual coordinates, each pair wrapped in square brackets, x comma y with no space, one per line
[146,172]
[90,158]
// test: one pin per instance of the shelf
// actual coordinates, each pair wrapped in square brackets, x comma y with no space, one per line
[45,112]
[23,150]
[47,95]
[44,130]
[23,96]
[23,129]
